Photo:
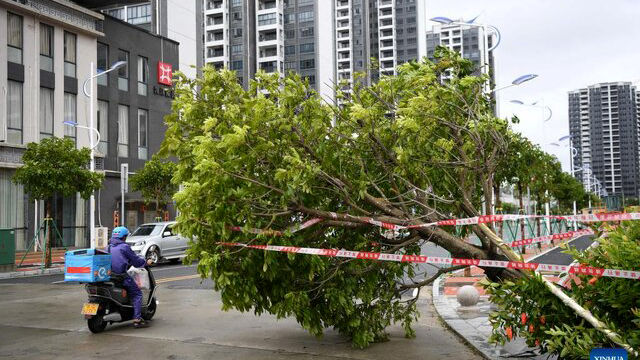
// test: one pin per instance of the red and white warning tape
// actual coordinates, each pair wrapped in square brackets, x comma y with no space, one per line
[539,239]
[577,269]
[484,219]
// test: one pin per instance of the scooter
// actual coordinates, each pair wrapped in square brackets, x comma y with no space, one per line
[109,303]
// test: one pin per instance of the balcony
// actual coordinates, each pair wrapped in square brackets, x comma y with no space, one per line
[215,21]
[386,33]
[342,4]
[385,3]
[213,5]
[266,36]
[215,38]
[267,52]
[344,45]
[343,34]
[386,44]
[342,24]
[215,52]
[386,23]
[388,12]
[269,66]
[386,54]
[267,4]
[344,13]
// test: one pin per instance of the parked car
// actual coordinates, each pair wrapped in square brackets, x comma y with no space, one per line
[156,241]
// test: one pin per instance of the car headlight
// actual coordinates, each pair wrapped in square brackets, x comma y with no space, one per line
[140,243]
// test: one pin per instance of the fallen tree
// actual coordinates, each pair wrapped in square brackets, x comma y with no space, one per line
[409,149]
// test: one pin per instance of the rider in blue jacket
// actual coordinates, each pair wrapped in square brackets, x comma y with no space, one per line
[122,257]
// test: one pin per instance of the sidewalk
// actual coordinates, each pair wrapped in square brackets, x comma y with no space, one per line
[32,262]
[472,323]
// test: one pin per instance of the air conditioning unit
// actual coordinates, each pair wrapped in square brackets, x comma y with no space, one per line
[102,237]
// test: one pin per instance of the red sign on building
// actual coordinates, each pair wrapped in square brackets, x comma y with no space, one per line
[165,73]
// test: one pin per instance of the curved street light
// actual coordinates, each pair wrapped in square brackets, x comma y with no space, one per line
[92,200]
[534,104]
[446,21]
[518,81]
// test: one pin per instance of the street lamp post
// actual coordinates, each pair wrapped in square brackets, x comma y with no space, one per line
[534,104]
[92,200]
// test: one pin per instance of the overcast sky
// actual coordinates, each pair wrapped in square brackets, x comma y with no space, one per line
[569,43]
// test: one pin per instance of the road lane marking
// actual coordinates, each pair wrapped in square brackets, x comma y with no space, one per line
[177,278]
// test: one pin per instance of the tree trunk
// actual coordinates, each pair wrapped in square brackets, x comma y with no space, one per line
[47,231]
[158,211]
[496,191]
[521,207]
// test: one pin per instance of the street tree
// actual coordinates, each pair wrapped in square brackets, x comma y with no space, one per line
[154,181]
[408,149]
[54,167]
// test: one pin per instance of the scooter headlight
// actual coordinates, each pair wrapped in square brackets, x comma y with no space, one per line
[140,243]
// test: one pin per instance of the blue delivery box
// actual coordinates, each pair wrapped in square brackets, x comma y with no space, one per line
[87,265]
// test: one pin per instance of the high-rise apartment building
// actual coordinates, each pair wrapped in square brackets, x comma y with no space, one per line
[604,128]
[469,41]
[324,41]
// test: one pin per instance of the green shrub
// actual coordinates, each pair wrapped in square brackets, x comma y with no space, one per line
[526,308]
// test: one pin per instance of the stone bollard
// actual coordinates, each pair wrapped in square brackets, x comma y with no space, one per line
[467,295]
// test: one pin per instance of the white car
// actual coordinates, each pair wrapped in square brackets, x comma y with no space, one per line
[156,241]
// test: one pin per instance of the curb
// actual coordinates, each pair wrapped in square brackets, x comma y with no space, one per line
[32,273]
[438,305]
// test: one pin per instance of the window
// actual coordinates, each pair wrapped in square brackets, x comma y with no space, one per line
[236,49]
[46,47]
[103,126]
[306,31]
[237,32]
[69,54]
[70,110]
[305,16]
[116,13]
[14,112]
[289,18]
[139,14]
[236,3]
[143,75]
[266,19]
[46,113]
[289,49]
[307,64]
[310,78]
[14,38]
[306,48]
[102,64]
[289,34]
[290,65]
[143,123]
[123,72]
[236,65]
[123,131]
[237,15]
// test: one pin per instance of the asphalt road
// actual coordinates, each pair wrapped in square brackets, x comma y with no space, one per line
[558,257]
[40,319]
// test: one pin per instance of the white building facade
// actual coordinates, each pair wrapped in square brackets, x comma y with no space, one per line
[46,50]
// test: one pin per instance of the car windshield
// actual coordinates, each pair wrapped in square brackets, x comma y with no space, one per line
[146,230]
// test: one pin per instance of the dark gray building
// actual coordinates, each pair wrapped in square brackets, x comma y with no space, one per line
[175,19]
[604,128]
[132,104]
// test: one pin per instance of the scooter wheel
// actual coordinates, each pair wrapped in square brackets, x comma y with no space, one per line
[151,310]
[96,323]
